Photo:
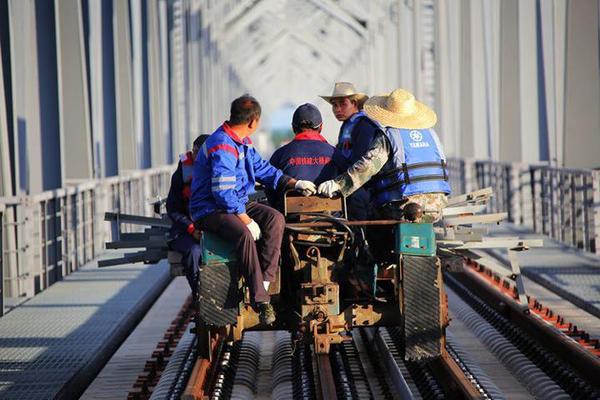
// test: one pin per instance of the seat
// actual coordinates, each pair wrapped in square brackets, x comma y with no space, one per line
[218,283]
[296,204]
[175,264]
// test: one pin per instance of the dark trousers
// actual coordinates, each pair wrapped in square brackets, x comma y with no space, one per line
[192,256]
[258,260]
[358,204]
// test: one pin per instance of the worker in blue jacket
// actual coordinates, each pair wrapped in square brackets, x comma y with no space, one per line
[356,133]
[184,237]
[226,170]
[308,156]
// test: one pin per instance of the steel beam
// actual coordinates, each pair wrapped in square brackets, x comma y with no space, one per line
[127,146]
[141,94]
[6,180]
[582,85]
[73,91]
[158,141]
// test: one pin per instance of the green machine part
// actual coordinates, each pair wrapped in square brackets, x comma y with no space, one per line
[216,250]
[415,239]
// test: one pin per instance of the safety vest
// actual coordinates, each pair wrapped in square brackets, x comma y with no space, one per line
[187,173]
[345,138]
[417,166]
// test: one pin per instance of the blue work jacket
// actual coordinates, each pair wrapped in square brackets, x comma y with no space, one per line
[225,173]
[307,157]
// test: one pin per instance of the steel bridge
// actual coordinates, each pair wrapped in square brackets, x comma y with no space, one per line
[97,99]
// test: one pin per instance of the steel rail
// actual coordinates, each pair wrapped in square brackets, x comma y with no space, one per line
[401,387]
[586,364]
[325,375]
[369,367]
[196,387]
[456,375]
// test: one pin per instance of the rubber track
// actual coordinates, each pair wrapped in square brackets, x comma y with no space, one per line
[218,294]
[421,308]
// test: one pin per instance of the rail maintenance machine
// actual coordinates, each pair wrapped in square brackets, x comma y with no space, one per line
[338,274]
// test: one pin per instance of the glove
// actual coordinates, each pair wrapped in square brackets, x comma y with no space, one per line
[328,188]
[307,188]
[254,230]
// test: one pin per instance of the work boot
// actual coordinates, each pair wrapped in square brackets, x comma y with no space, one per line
[267,313]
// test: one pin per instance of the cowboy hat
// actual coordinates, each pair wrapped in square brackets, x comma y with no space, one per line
[399,109]
[345,89]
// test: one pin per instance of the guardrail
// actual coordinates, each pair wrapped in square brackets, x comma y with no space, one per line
[49,235]
[1,262]
[559,202]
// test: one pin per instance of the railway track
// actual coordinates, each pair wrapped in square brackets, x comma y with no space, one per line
[369,364]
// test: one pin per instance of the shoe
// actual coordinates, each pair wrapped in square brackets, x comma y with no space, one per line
[267,313]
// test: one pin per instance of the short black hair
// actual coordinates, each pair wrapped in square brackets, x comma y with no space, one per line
[243,110]
[304,126]
[199,141]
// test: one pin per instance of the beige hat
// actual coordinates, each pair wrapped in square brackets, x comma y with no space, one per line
[345,89]
[399,109]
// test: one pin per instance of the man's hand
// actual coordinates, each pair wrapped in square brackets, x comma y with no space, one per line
[307,188]
[254,229]
[328,188]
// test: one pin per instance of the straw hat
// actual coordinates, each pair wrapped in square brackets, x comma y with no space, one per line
[345,89]
[399,109]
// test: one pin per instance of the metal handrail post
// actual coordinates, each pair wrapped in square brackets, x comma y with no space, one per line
[596,211]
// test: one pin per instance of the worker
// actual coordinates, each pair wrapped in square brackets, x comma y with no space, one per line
[308,156]
[405,162]
[184,237]
[227,168]
[356,133]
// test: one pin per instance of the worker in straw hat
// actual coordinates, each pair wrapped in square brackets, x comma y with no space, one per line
[356,133]
[405,162]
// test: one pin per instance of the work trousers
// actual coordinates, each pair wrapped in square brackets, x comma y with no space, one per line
[258,260]
[191,252]
[358,205]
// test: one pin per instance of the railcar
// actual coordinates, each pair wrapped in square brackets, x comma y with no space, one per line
[316,295]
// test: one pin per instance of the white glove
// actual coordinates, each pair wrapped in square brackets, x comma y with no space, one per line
[254,230]
[307,188]
[328,188]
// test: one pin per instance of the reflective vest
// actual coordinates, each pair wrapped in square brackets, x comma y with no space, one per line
[345,138]
[417,166]
[187,173]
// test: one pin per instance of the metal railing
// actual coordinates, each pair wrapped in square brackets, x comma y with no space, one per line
[46,236]
[559,202]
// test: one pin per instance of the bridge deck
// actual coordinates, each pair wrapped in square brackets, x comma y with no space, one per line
[53,345]
[117,377]
[557,272]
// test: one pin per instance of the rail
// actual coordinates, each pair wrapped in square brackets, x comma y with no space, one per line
[559,202]
[48,235]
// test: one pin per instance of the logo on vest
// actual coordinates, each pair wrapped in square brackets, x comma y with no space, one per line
[417,138]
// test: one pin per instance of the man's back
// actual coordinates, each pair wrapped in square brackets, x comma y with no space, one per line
[307,157]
